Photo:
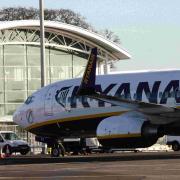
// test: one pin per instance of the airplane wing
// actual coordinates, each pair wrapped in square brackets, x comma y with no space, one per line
[87,88]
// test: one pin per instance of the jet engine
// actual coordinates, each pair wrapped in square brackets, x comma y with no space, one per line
[129,130]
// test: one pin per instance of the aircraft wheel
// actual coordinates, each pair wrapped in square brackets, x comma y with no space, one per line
[55,152]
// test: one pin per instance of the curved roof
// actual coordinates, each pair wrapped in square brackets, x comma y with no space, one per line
[114,51]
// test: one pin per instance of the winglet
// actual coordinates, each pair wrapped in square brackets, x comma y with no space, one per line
[87,86]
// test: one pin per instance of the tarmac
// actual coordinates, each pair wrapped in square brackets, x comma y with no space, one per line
[116,166]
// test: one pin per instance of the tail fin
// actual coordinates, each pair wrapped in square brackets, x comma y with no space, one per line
[88,81]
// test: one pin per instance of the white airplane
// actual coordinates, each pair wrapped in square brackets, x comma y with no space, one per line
[127,110]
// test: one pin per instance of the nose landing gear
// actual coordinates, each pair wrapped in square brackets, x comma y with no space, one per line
[57,149]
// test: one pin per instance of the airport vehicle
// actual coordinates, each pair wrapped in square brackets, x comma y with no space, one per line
[10,142]
[127,110]
[173,141]
[81,145]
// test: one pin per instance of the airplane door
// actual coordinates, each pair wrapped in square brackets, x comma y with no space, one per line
[49,101]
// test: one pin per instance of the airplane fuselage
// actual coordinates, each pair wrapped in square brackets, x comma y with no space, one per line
[56,110]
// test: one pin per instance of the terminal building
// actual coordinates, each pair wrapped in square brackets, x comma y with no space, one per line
[66,51]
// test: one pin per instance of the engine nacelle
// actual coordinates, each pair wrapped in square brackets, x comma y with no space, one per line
[129,130]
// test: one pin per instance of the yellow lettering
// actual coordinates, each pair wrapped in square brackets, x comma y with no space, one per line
[89,69]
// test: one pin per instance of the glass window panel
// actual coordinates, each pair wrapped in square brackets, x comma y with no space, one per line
[59,59]
[1,55]
[47,51]
[15,96]
[14,55]
[34,84]
[33,55]
[9,72]
[1,85]
[2,110]
[1,73]
[79,65]
[48,71]
[1,97]
[30,93]
[63,72]
[48,75]
[1,79]
[11,108]
[55,72]
[15,85]
[48,81]
[54,80]
[34,72]
[58,52]
[15,73]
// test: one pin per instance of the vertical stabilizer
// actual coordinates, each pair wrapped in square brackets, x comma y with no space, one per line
[88,81]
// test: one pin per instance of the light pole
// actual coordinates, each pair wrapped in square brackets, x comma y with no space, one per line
[42,53]
[42,43]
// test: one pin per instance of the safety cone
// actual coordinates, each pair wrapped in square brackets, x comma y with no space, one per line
[2,155]
[7,153]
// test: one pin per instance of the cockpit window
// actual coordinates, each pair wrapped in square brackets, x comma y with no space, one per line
[29,100]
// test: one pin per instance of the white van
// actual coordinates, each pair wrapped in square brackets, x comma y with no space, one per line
[10,143]
[173,141]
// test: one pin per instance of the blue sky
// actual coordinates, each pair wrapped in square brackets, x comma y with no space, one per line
[148,29]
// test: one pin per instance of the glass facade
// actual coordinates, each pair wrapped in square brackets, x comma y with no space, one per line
[20,72]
